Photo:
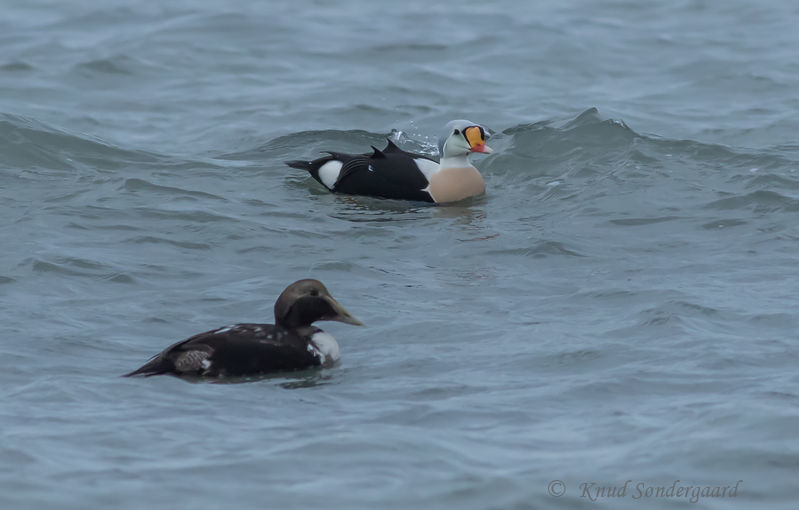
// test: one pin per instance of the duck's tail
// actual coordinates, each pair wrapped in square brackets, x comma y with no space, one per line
[302,165]
[156,366]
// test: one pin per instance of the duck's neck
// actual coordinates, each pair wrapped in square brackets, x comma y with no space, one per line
[460,161]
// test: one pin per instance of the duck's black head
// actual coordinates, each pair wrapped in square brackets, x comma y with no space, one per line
[306,301]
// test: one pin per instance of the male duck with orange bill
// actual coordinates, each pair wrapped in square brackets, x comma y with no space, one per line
[397,174]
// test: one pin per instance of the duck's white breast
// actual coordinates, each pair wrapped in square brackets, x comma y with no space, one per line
[453,184]
[325,347]
[427,167]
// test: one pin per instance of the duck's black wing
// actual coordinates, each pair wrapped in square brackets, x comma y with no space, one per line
[390,173]
[239,350]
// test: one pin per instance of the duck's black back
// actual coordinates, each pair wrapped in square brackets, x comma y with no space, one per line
[390,173]
[240,350]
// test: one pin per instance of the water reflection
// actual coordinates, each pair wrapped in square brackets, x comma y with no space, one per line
[287,380]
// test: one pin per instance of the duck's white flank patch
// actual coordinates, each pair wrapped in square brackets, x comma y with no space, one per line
[206,364]
[191,361]
[328,173]
[427,167]
[325,346]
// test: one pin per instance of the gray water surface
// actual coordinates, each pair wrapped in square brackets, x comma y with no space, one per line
[621,305]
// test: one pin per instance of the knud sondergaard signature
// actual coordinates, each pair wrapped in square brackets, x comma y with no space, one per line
[594,491]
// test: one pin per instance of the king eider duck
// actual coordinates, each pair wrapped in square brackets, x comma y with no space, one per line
[253,349]
[394,173]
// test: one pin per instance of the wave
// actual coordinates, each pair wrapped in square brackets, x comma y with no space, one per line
[591,136]
[16,66]
[28,143]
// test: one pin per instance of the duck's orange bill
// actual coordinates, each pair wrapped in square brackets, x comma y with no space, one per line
[474,135]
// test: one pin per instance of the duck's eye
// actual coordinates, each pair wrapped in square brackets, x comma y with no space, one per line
[456,132]
[314,292]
